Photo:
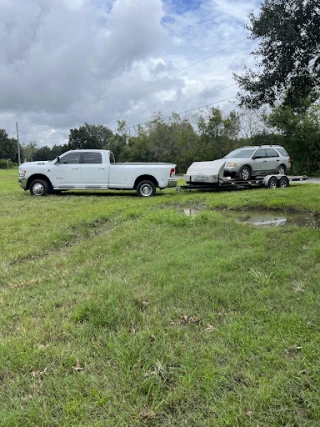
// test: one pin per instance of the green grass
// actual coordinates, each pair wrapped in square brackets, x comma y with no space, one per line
[122,311]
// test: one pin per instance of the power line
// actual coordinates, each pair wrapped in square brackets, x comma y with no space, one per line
[187,111]
[188,100]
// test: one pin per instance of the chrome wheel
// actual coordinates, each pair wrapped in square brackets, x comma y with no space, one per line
[146,189]
[39,187]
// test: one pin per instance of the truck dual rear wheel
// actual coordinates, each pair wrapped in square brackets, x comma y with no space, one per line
[146,189]
[39,187]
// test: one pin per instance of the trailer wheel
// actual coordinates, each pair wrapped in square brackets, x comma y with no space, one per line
[245,173]
[273,182]
[39,187]
[283,182]
[146,189]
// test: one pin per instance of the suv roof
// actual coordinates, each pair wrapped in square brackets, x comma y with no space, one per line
[262,146]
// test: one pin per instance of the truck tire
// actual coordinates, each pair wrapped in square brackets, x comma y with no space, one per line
[146,189]
[245,173]
[39,187]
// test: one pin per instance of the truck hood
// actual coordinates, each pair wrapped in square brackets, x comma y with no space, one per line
[39,163]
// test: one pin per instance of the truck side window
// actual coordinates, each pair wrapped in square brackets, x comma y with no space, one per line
[92,158]
[70,158]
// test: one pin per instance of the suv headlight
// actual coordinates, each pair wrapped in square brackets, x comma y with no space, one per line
[231,165]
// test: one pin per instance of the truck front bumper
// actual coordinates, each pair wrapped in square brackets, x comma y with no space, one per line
[23,183]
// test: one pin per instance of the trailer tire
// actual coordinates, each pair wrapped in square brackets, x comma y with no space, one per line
[39,187]
[283,182]
[245,173]
[146,188]
[273,182]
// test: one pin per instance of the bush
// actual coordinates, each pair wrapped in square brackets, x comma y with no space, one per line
[6,164]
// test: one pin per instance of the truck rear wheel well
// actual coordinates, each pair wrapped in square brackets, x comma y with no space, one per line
[39,176]
[144,178]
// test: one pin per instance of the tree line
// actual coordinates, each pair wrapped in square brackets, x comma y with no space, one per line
[209,136]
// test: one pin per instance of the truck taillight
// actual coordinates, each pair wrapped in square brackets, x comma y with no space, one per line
[172,172]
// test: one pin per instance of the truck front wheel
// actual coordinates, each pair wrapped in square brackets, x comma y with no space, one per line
[146,189]
[39,187]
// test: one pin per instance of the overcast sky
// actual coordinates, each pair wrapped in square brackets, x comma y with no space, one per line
[67,62]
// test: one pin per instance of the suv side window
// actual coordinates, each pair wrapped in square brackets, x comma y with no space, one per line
[92,158]
[282,151]
[70,158]
[270,152]
[259,154]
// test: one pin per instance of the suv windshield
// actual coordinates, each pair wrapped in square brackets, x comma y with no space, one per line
[240,154]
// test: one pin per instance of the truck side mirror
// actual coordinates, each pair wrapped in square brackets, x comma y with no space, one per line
[58,160]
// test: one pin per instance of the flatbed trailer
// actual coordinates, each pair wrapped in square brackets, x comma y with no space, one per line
[269,181]
[206,176]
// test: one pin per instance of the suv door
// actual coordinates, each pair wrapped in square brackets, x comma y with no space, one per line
[66,173]
[273,160]
[259,162]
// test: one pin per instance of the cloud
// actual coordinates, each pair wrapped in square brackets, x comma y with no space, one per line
[66,62]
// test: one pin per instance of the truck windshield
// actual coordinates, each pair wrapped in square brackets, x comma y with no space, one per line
[239,154]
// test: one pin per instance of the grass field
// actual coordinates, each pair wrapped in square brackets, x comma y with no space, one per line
[122,311]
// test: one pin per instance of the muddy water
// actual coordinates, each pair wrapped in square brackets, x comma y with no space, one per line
[263,218]
[267,218]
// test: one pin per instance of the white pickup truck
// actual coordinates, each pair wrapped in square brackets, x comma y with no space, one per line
[94,170]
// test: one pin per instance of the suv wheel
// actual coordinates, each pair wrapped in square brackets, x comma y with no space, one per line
[245,173]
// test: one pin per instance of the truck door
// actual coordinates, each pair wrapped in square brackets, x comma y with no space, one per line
[94,171]
[66,173]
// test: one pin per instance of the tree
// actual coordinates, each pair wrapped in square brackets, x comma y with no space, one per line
[289,46]
[89,136]
[300,130]
[43,153]
[218,134]
[29,151]
[8,147]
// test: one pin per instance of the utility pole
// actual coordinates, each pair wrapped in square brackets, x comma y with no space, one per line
[18,144]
